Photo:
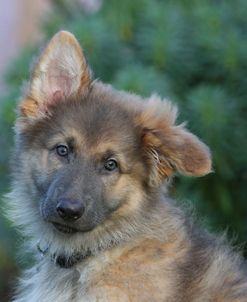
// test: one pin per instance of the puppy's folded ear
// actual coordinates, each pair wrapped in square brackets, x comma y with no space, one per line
[169,147]
[60,73]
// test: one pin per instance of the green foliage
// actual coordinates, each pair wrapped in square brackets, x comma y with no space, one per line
[191,51]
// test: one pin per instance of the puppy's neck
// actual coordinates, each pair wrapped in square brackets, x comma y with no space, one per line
[68,262]
[63,261]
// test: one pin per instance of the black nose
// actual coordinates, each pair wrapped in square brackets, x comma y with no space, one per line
[70,209]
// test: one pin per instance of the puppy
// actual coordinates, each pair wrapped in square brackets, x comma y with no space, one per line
[89,193]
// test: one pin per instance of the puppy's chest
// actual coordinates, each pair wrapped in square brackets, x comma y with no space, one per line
[131,276]
[146,272]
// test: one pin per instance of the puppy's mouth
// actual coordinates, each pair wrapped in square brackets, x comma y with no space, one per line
[64,228]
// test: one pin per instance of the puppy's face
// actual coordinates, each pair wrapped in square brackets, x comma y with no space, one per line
[89,157]
[85,163]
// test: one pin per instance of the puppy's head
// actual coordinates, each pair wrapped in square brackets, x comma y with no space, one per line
[90,160]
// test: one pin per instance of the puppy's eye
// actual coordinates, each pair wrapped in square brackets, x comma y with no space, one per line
[62,150]
[110,165]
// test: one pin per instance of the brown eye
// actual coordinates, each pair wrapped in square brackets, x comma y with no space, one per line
[110,165]
[62,150]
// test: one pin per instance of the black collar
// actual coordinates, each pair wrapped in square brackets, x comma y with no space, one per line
[62,260]
[68,262]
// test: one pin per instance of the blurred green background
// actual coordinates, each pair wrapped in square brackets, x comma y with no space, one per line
[193,52]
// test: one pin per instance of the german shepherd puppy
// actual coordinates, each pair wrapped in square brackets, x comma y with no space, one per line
[92,166]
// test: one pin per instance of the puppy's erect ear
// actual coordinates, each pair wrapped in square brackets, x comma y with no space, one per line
[61,72]
[169,147]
